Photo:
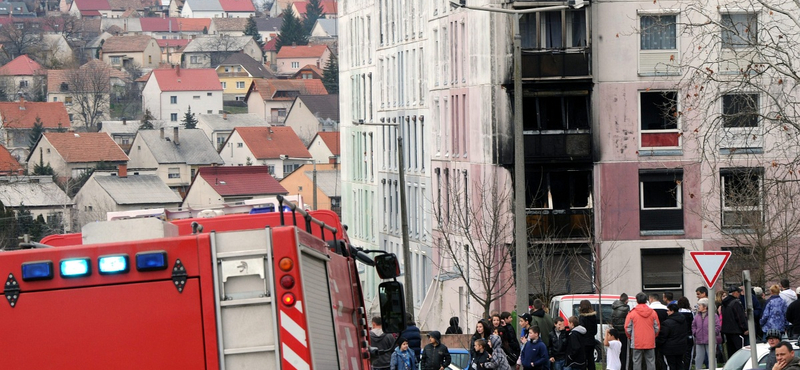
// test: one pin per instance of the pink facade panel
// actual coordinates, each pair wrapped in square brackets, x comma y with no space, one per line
[663,139]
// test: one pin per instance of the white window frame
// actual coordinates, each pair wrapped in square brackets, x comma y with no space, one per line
[678,122]
[738,12]
[173,173]
[240,84]
[678,197]
[733,208]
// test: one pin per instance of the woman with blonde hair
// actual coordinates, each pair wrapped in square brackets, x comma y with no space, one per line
[773,317]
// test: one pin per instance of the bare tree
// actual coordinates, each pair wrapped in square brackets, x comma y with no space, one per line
[90,88]
[20,38]
[475,234]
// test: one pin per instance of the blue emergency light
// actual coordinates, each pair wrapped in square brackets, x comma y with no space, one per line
[40,270]
[76,267]
[151,261]
[117,264]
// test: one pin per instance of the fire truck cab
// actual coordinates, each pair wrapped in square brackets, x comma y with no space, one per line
[249,292]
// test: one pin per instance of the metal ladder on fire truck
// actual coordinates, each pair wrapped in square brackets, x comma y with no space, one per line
[256,205]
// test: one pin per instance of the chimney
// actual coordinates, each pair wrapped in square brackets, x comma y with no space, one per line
[224,115]
[124,121]
[176,136]
[122,170]
[178,69]
[21,99]
[332,159]
[162,132]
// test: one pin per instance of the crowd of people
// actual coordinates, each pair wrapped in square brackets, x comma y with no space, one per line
[658,333]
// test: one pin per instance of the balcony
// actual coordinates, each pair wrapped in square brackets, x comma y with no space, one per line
[572,63]
[574,224]
[560,146]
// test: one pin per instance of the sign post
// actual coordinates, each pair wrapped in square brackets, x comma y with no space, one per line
[710,265]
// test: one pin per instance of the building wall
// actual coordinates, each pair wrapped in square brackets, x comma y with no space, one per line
[319,151]
[298,183]
[304,123]
[236,153]
[150,57]
[202,194]
[203,104]
[151,98]
[286,66]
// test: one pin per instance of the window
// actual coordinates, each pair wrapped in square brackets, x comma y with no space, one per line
[194,59]
[209,94]
[271,169]
[552,25]
[556,113]
[658,116]
[740,110]
[68,100]
[23,83]
[174,173]
[278,115]
[660,200]
[662,270]
[658,32]
[55,98]
[239,145]
[558,189]
[116,61]
[173,99]
[739,30]
[64,86]
[240,84]
[295,64]
[196,97]
[173,117]
[224,85]
[289,168]
[742,198]
[209,111]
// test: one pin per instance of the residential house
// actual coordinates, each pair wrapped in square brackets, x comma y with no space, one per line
[172,50]
[325,29]
[209,51]
[110,8]
[86,91]
[174,28]
[278,6]
[175,7]
[122,132]
[122,26]
[70,154]
[90,9]
[15,9]
[40,196]
[269,27]
[8,164]
[54,50]
[237,72]
[169,92]
[175,156]
[227,26]
[324,148]
[92,48]
[19,118]
[330,8]
[214,186]
[271,53]
[310,114]
[308,72]
[271,99]
[278,148]
[238,8]
[291,57]
[325,178]
[21,76]
[219,126]
[125,51]
[117,191]
[202,9]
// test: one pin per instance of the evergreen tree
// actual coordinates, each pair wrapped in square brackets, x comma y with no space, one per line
[147,121]
[330,76]
[252,30]
[313,12]
[26,224]
[8,227]
[40,169]
[189,121]
[36,132]
[292,31]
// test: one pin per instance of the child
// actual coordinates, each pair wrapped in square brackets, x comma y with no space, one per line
[534,353]
[576,357]
[481,356]
[611,341]
[402,357]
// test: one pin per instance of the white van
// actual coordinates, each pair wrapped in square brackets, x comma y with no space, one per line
[565,306]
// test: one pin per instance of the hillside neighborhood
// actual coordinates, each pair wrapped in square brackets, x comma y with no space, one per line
[111,105]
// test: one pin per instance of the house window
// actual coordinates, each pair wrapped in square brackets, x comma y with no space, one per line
[742,197]
[194,59]
[550,33]
[662,270]
[224,85]
[558,189]
[173,99]
[289,168]
[55,98]
[67,100]
[658,116]
[209,94]
[239,145]
[240,84]
[196,97]
[556,113]
[64,86]
[174,173]
[660,200]
[116,61]
[278,115]
[740,110]
[658,32]
[739,30]
[173,117]
[23,83]
[295,64]
[271,169]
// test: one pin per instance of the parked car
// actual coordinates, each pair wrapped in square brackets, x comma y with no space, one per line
[459,359]
[741,358]
[565,306]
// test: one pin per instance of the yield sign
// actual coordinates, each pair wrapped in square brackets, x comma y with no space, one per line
[710,264]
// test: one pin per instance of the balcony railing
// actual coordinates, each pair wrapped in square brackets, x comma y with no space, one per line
[556,63]
[565,145]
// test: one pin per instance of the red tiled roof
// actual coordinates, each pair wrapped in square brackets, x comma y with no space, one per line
[21,66]
[241,180]
[55,77]
[90,13]
[302,51]
[194,24]
[22,114]
[237,5]
[85,147]
[173,43]
[331,139]
[182,79]
[84,5]
[9,164]
[272,142]
[309,67]
[328,7]
[268,88]
[153,24]
[117,44]
[271,45]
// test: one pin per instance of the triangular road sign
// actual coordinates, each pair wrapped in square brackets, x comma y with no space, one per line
[710,264]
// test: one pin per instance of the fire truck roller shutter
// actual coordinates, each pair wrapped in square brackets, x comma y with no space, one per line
[321,330]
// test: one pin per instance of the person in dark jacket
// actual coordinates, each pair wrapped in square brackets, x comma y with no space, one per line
[482,331]
[793,317]
[588,319]
[453,328]
[383,342]
[435,355]
[785,358]
[773,338]
[685,309]
[480,357]
[412,335]
[672,337]
[403,358]
[734,323]
[542,320]
[557,348]
[620,310]
[575,355]
[509,336]
[534,353]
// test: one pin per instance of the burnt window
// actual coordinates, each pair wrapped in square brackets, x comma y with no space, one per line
[559,189]
[660,200]
[556,113]
[741,197]
[659,110]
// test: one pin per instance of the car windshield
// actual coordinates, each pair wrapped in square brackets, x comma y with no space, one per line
[460,360]
[738,360]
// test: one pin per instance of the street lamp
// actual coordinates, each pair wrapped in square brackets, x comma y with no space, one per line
[520,222]
[403,212]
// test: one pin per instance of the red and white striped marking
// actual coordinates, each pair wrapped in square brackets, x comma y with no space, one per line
[294,337]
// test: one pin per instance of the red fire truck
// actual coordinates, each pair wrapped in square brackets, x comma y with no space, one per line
[240,291]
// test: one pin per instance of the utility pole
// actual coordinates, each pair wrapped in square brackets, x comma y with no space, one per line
[314,179]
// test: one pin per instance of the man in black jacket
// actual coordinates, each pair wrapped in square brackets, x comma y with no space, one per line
[383,342]
[672,337]
[734,324]
[435,356]
[793,317]
[620,312]
[557,347]
[412,335]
